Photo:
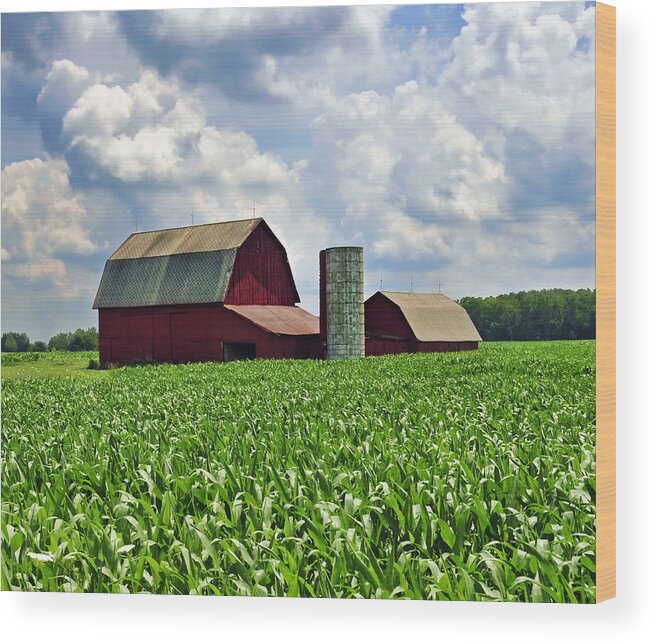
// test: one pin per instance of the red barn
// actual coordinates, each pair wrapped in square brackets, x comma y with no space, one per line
[400,322]
[219,292]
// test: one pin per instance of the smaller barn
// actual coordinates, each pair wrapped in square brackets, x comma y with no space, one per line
[402,322]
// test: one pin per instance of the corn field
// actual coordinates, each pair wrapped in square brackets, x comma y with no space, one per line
[460,476]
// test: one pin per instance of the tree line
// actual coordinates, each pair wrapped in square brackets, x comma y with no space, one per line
[79,340]
[534,315]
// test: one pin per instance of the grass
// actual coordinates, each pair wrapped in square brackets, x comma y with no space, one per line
[446,476]
[51,364]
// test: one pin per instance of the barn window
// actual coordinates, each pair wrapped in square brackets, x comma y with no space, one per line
[235,351]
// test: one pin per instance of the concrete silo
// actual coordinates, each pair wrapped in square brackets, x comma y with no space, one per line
[342,301]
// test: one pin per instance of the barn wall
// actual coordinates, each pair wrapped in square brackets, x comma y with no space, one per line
[468,346]
[443,347]
[191,333]
[261,274]
[322,295]
[383,317]
[379,346]
[385,346]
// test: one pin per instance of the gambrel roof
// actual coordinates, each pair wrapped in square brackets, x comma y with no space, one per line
[210,237]
[189,265]
[434,317]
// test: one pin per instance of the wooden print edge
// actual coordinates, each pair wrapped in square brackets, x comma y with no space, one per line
[605,302]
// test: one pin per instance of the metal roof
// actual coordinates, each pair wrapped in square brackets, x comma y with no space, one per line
[189,265]
[175,241]
[281,320]
[192,278]
[434,317]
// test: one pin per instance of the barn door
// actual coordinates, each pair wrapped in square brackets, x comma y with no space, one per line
[162,346]
[180,337]
[141,337]
[233,351]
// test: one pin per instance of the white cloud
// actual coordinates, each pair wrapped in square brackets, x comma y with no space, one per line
[362,52]
[394,166]
[557,234]
[481,171]
[192,28]
[152,131]
[100,111]
[54,269]
[303,89]
[301,57]
[63,84]
[518,65]
[63,79]
[43,221]
[405,238]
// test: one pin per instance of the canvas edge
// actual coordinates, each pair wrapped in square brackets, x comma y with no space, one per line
[605,302]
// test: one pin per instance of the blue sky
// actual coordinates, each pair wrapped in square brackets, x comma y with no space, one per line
[454,142]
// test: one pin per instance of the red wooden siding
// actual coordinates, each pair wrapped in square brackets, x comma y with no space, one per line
[190,333]
[261,274]
[378,346]
[383,318]
[322,287]
[162,337]
[443,347]
[382,346]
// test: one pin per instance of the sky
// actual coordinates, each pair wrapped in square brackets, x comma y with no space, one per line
[455,143]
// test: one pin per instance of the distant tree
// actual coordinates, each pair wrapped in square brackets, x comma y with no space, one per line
[9,344]
[60,342]
[80,340]
[39,347]
[93,339]
[20,340]
[535,315]
[77,343]
[84,340]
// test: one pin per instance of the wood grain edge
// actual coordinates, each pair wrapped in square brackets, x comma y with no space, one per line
[605,302]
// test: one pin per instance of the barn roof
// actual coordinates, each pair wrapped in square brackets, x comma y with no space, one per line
[434,317]
[189,265]
[281,320]
[209,237]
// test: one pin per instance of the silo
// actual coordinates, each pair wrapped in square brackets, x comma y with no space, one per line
[342,301]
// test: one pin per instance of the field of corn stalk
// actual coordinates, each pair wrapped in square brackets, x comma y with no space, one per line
[444,476]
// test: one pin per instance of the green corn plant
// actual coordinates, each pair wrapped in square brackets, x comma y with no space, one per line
[454,476]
